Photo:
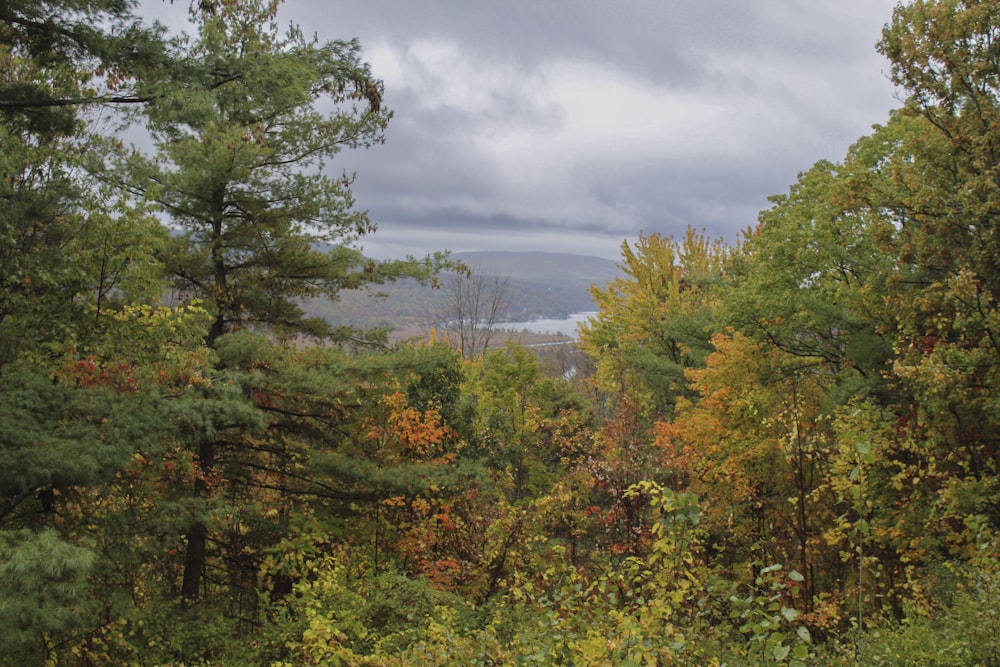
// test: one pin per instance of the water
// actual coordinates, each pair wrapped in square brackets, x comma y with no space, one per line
[566,326]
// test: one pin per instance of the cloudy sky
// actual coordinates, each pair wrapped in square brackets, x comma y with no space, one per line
[574,125]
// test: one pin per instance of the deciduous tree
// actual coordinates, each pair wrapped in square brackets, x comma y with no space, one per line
[474,303]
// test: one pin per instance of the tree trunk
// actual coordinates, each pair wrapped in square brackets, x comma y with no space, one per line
[196,553]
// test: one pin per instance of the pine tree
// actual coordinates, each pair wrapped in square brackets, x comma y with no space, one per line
[240,169]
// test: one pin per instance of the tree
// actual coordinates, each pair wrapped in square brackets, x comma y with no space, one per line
[652,325]
[810,279]
[944,196]
[53,55]
[74,259]
[62,55]
[653,322]
[753,448]
[240,171]
[474,302]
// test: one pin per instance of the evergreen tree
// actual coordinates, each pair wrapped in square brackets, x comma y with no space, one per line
[61,55]
[71,255]
[240,169]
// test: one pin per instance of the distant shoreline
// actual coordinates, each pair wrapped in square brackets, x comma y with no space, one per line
[500,337]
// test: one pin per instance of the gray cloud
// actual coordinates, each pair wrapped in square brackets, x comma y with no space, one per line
[574,124]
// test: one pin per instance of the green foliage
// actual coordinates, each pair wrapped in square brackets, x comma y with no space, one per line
[507,388]
[240,170]
[947,191]
[653,322]
[340,617]
[962,629]
[195,483]
[811,282]
[60,55]
[670,607]
[60,435]
[43,594]
[773,638]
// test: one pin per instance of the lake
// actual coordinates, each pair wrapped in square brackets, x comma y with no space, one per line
[566,326]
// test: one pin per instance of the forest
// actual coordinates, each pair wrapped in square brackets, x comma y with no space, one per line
[780,451]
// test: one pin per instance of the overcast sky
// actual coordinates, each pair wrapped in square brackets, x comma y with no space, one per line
[572,125]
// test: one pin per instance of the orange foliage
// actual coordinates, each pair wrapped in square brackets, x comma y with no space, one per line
[722,443]
[408,432]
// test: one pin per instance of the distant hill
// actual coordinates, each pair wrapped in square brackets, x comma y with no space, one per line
[540,285]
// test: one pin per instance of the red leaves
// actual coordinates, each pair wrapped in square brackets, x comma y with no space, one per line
[89,373]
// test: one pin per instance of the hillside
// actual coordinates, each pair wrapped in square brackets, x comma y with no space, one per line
[540,284]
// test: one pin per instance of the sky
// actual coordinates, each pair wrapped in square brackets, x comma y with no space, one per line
[576,125]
